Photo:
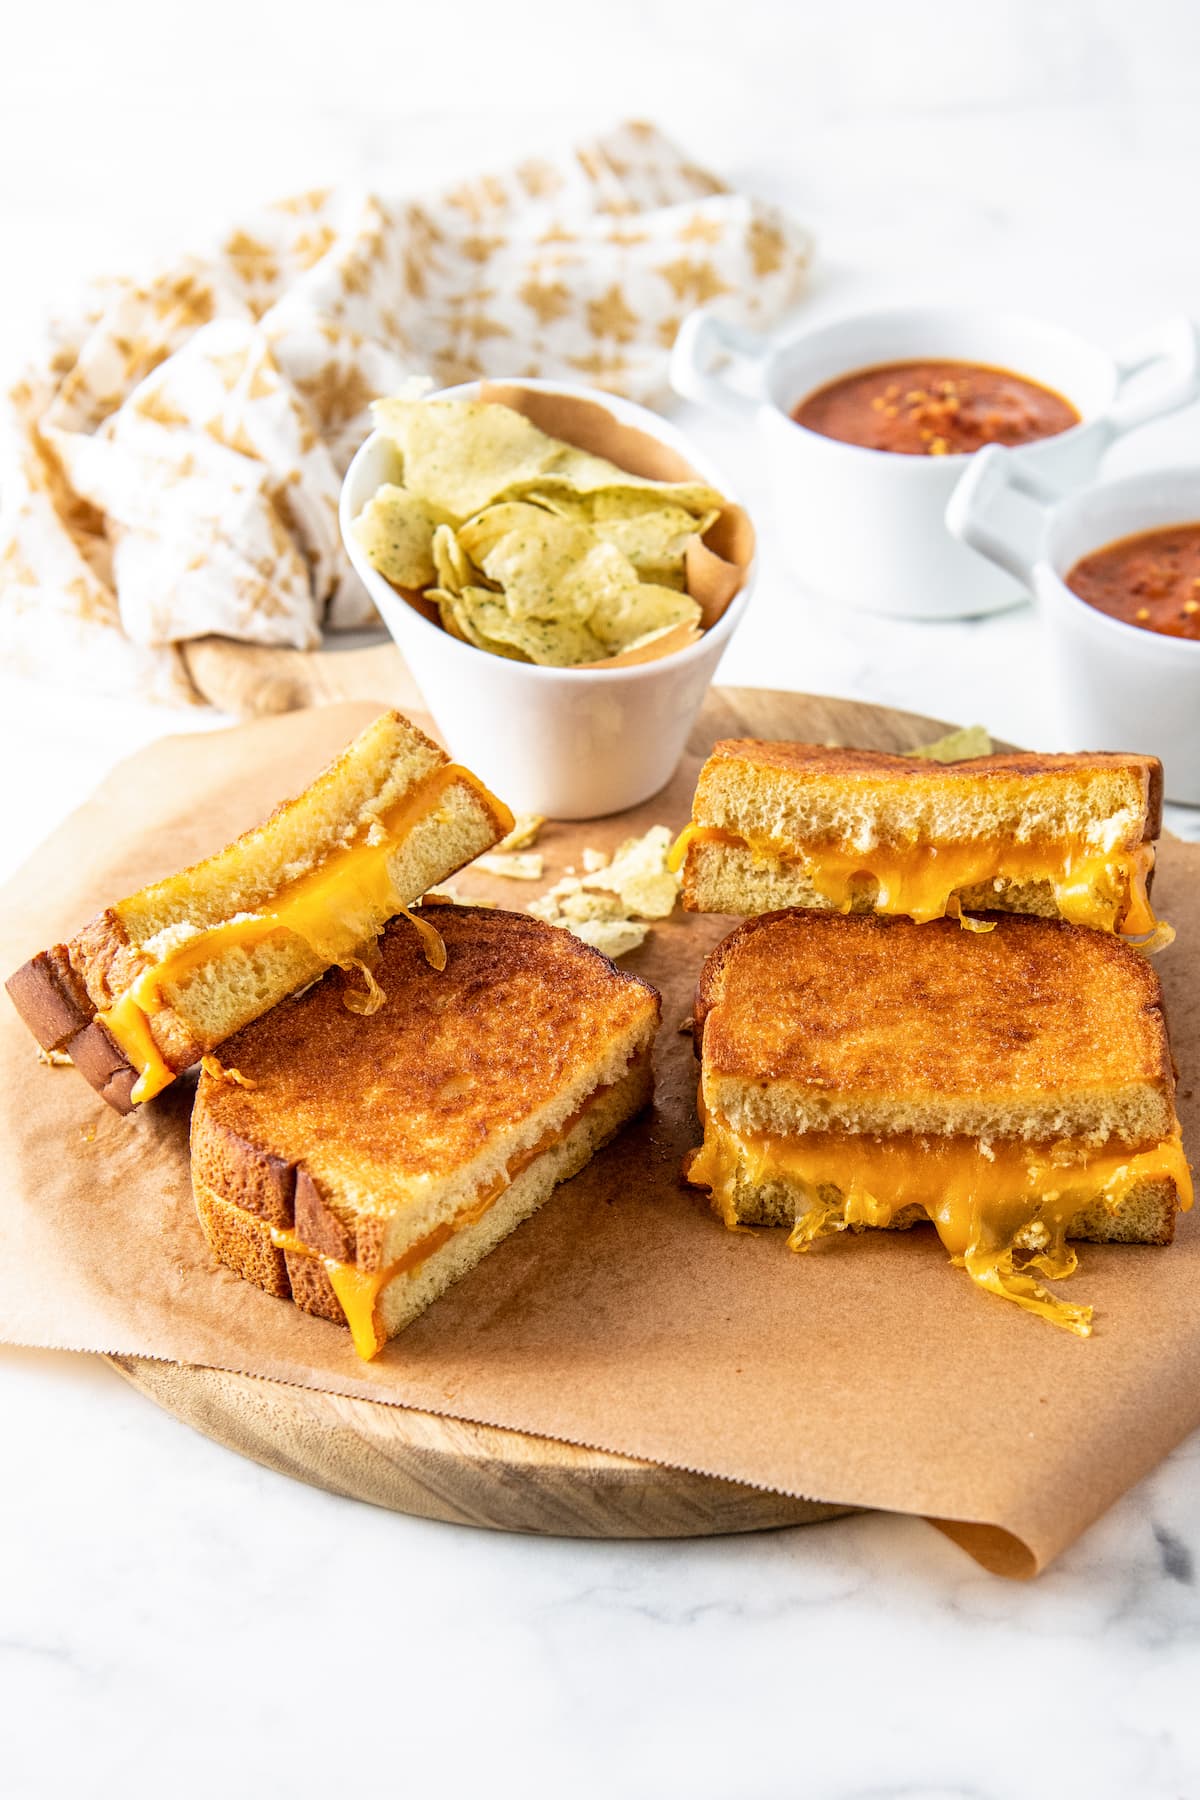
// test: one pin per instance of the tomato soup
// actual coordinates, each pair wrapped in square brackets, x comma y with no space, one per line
[1151,580]
[934,408]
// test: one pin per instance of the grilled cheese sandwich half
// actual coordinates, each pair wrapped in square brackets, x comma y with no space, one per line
[361,1165]
[779,825]
[1014,1089]
[159,979]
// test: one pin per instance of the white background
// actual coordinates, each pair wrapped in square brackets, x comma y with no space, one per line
[173,1620]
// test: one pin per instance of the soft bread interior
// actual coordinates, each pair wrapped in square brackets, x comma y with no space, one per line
[732,878]
[404,1299]
[763,792]
[1134,1114]
[1145,1214]
[223,995]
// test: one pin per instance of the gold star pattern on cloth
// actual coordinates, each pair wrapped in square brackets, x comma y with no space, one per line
[170,460]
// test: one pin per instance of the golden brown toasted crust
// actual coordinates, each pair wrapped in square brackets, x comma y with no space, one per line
[248,1252]
[872,765]
[880,1012]
[51,999]
[232,1163]
[326,1079]
[343,1129]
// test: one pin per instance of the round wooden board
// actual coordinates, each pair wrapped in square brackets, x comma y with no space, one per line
[439,1468]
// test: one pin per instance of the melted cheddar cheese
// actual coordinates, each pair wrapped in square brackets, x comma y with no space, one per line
[1105,889]
[335,909]
[980,1200]
[359,1290]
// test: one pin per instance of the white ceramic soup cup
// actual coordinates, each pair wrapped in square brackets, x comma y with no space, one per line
[1121,688]
[569,743]
[867,527]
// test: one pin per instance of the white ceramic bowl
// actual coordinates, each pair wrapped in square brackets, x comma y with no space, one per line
[867,527]
[1121,688]
[569,743]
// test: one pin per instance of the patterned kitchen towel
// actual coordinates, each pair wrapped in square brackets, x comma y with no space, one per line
[170,462]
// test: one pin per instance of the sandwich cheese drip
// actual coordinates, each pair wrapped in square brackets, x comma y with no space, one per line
[336,908]
[359,1290]
[1105,889]
[1002,1211]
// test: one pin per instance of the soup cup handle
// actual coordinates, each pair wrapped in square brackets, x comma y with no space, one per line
[1173,345]
[704,348]
[991,475]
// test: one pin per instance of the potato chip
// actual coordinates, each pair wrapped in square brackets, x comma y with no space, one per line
[449,895]
[612,937]
[515,865]
[580,907]
[548,567]
[526,827]
[652,535]
[653,540]
[641,611]
[396,530]
[453,566]
[578,471]
[462,454]
[458,618]
[598,905]
[638,874]
[485,620]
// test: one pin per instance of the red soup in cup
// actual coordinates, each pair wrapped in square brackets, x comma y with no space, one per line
[942,408]
[1151,580]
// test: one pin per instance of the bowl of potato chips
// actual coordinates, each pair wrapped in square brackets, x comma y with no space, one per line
[561,571]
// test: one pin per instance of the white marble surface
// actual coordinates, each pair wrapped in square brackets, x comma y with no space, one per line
[175,1620]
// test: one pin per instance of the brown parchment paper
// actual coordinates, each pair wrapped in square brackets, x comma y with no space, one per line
[868,1373]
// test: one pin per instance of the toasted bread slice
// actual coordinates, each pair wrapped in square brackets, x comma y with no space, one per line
[363,1163]
[158,979]
[1013,1086]
[1034,1030]
[784,825]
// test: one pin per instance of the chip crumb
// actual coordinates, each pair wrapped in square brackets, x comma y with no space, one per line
[526,827]
[53,1059]
[956,746]
[686,1027]
[612,937]
[605,906]
[516,865]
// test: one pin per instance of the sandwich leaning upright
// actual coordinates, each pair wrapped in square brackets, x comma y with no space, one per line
[1014,1087]
[156,980]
